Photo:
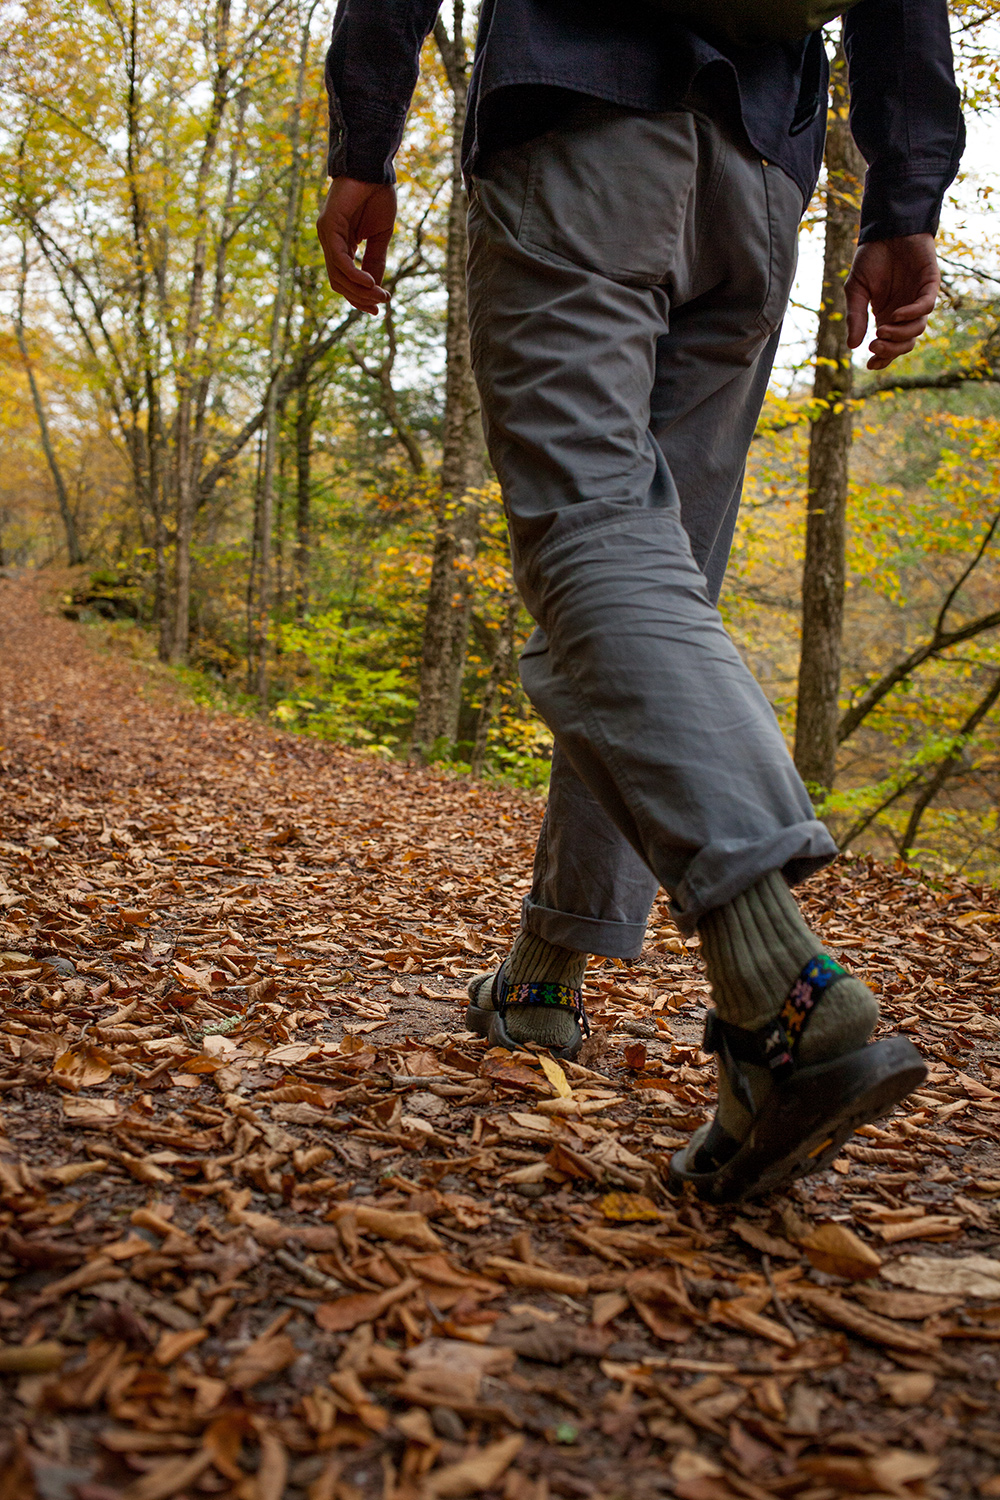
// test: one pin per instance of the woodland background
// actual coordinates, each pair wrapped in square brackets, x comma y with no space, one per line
[290,504]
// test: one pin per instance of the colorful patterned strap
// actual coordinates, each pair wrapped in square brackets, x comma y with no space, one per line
[538,992]
[776,1045]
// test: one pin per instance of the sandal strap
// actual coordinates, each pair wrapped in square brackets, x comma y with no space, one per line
[538,992]
[775,1045]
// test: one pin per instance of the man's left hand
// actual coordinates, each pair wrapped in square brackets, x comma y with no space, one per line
[899,279]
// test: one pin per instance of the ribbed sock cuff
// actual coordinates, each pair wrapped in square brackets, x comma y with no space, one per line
[754,949]
[533,959]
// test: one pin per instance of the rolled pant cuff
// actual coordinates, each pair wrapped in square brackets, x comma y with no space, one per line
[585,934]
[717,876]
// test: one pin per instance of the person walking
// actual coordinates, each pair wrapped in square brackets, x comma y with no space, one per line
[636,184]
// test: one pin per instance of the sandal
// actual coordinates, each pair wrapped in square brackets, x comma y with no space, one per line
[807,1116]
[490,1022]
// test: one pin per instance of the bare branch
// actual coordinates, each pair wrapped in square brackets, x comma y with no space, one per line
[940,640]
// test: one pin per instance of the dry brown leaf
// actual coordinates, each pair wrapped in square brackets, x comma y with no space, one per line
[361,1307]
[470,1476]
[166,1479]
[556,1076]
[606,1307]
[348,1386]
[389,1224]
[265,1357]
[90,1112]
[905,1305]
[888,1472]
[767,1244]
[74,1170]
[928,1227]
[518,1274]
[628,1208]
[845,1314]
[272,1470]
[740,1313]
[31,1359]
[965,1276]
[173,1345]
[838,1251]
[81,1067]
[912,1388]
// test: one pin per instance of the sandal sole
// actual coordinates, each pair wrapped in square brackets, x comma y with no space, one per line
[806,1120]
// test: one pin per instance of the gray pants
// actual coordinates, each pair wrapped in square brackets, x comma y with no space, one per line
[627,279]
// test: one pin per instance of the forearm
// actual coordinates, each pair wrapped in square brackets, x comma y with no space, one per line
[371,71]
[905,113]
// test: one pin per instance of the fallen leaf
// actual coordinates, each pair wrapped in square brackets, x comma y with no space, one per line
[629,1208]
[349,1312]
[501,1069]
[90,1112]
[965,1276]
[741,1314]
[272,1469]
[906,1305]
[607,1306]
[767,1244]
[167,1478]
[470,1476]
[518,1274]
[266,1356]
[928,1227]
[845,1314]
[31,1359]
[81,1067]
[688,1464]
[838,1251]
[173,1345]
[912,1388]
[399,1227]
[556,1076]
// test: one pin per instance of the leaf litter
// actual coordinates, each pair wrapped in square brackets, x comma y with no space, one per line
[272,1223]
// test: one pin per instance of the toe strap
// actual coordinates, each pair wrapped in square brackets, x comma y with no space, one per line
[775,1045]
[538,992]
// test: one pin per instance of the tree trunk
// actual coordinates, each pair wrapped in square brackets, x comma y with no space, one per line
[449,595]
[258,642]
[499,671]
[829,449]
[186,448]
[73,549]
[303,496]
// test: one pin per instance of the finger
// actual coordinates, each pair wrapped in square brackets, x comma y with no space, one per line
[352,281]
[921,308]
[856,298]
[898,332]
[363,298]
[883,354]
[376,250]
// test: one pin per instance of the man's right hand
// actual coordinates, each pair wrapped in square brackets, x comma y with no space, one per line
[355,212]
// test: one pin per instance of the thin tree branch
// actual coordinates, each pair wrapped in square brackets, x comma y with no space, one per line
[940,640]
[947,766]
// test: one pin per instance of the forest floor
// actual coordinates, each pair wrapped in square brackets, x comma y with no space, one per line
[272,1223]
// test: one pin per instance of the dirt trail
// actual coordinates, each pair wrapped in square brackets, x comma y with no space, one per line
[272,1223]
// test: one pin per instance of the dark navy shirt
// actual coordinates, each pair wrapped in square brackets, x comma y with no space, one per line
[530,54]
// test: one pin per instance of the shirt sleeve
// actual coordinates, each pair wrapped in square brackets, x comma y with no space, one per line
[906,114]
[371,72]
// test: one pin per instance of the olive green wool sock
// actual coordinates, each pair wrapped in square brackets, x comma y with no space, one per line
[754,949]
[533,960]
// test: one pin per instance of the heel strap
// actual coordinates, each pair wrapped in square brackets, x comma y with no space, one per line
[538,992]
[775,1045]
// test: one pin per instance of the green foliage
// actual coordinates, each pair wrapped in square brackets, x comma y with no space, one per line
[352,702]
